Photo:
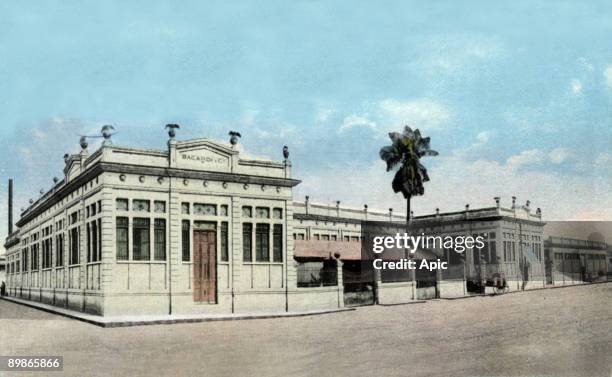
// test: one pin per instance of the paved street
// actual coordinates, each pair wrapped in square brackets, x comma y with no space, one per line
[557,332]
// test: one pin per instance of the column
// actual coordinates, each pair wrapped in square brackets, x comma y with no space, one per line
[174,246]
[235,227]
[107,233]
[340,278]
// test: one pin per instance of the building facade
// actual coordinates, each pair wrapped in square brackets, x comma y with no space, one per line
[191,229]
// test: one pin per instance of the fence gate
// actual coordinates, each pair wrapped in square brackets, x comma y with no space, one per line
[358,281]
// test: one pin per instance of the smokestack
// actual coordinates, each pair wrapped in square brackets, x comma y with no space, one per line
[10,206]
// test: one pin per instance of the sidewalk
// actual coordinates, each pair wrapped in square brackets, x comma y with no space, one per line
[123,321]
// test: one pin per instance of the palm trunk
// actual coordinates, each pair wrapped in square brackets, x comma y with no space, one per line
[408,210]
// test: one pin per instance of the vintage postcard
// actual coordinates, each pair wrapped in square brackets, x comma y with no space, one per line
[306,188]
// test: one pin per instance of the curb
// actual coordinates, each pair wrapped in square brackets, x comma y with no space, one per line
[111,324]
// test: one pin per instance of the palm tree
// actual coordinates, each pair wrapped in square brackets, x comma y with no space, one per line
[405,151]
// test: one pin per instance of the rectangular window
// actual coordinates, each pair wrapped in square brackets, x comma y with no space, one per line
[224,242]
[262,242]
[277,213]
[36,255]
[247,247]
[122,238]
[24,259]
[185,240]
[47,253]
[99,239]
[122,204]
[262,212]
[88,241]
[277,243]
[32,264]
[160,239]
[74,245]
[160,206]
[223,209]
[141,205]
[141,232]
[185,208]
[59,250]
[205,209]
[94,241]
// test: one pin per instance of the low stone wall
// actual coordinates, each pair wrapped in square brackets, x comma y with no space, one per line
[74,299]
[317,298]
[452,288]
[395,293]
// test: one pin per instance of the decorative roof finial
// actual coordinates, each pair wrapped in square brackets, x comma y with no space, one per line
[55,179]
[83,142]
[286,152]
[172,129]
[234,135]
[107,132]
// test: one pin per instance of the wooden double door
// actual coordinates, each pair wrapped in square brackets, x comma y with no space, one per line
[205,266]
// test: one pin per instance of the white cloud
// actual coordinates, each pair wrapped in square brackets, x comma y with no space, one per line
[453,55]
[483,137]
[608,76]
[576,86]
[249,114]
[603,160]
[524,158]
[323,115]
[586,64]
[249,156]
[420,113]
[352,121]
[558,155]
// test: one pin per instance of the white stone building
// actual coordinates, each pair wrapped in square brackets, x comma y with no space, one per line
[191,229]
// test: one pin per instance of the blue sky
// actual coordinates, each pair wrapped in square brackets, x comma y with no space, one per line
[517,96]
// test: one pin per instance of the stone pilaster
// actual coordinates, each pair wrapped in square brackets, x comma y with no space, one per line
[291,270]
[107,232]
[174,245]
[236,247]
[340,278]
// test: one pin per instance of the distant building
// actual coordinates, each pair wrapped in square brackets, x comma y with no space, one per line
[571,261]
[2,269]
